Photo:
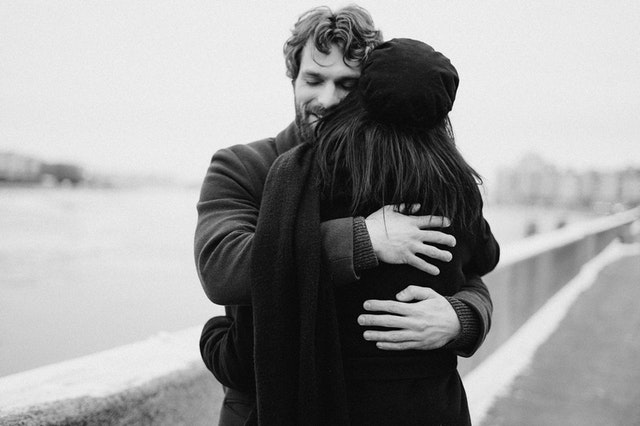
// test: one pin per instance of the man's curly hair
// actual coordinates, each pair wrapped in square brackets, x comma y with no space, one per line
[351,28]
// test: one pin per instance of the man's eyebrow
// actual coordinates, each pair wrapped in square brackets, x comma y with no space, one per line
[348,78]
[311,74]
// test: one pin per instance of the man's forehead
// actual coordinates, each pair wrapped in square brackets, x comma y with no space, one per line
[317,62]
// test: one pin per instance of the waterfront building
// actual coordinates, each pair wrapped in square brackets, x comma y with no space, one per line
[535,181]
[19,168]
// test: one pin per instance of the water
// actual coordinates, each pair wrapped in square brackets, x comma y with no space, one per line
[83,270]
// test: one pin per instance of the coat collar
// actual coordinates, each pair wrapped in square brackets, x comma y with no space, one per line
[288,138]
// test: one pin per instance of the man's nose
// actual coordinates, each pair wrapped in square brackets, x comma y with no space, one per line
[329,96]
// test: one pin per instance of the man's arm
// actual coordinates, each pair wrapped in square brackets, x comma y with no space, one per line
[227,216]
[227,349]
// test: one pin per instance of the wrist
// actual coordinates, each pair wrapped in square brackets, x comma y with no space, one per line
[373,237]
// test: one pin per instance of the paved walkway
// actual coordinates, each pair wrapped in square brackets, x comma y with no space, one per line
[588,371]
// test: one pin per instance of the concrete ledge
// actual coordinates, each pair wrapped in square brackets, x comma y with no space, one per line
[160,381]
[187,397]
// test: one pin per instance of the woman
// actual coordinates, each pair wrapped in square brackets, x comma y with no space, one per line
[389,142]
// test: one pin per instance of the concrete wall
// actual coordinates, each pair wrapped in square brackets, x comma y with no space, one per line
[161,381]
[534,269]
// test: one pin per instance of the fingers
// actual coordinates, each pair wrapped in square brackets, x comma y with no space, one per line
[389,336]
[413,208]
[398,346]
[389,321]
[437,237]
[389,306]
[414,292]
[400,340]
[425,222]
[433,252]
[403,346]
[422,265]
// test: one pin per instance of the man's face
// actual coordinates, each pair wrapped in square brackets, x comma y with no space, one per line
[323,81]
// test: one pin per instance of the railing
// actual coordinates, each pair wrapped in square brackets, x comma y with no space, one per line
[162,381]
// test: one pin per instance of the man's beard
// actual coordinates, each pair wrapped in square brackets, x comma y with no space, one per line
[307,129]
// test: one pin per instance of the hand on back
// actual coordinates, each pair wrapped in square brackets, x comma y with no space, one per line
[398,238]
[419,319]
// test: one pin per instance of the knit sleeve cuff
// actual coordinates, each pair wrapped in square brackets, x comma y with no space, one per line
[363,255]
[469,326]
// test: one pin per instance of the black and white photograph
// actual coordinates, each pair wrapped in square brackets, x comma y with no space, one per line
[337,213]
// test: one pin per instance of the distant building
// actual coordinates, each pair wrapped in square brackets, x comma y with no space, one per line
[630,186]
[570,189]
[535,181]
[63,173]
[19,168]
[608,190]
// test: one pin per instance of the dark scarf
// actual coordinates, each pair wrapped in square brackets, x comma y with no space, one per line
[298,363]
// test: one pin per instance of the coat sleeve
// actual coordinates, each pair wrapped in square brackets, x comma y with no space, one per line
[228,211]
[474,293]
[226,347]
[227,217]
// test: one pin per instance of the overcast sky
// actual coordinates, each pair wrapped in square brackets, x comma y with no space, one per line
[157,86]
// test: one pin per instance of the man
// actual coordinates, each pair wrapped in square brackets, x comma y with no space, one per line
[323,59]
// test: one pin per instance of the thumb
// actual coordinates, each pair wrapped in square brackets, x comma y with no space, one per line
[414,292]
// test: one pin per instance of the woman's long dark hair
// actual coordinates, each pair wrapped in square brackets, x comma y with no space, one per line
[385,164]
